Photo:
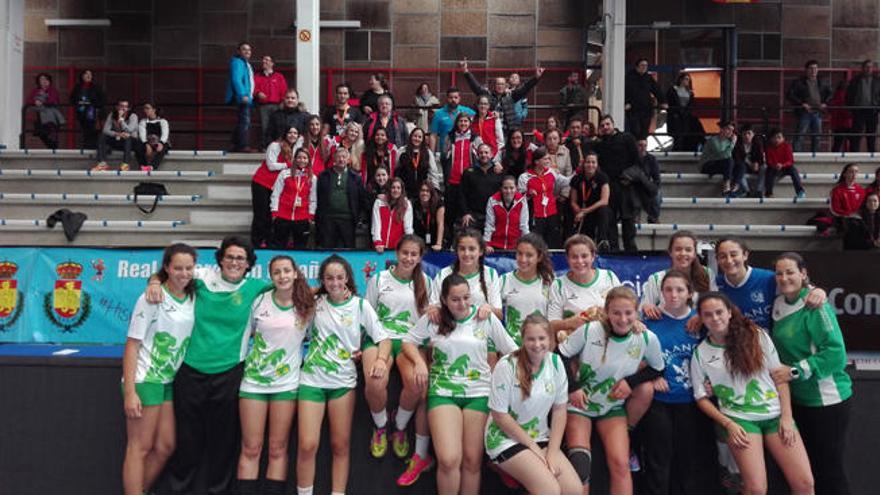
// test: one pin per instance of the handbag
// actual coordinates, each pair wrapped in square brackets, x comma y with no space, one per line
[155,189]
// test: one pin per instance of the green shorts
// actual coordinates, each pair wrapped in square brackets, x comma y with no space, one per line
[763,427]
[480,404]
[396,346]
[316,394]
[152,394]
[271,397]
[614,412]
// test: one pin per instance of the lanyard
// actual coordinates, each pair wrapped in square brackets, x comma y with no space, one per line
[417,157]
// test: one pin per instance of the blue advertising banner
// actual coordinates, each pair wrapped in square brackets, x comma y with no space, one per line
[74,295]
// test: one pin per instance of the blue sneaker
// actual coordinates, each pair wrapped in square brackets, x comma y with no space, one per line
[801,194]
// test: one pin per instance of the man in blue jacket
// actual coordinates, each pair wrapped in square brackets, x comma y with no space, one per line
[238,93]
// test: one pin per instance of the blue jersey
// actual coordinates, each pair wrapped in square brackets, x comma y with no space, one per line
[676,347]
[754,296]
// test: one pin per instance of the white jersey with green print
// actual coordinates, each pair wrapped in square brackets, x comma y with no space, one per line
[460,367]
[568,298]
[604,360]
[752,398]
[549,388]
[335,335]
[273,363]
[651,293]
[395,302]
[478,298]
[164,330]
[522,298]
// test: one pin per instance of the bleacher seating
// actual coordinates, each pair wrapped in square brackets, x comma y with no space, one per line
[209,197]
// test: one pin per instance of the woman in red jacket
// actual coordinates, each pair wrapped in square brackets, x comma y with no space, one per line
[540,184]
[392,217]
[847,199]
[279,156]
[780,162]
[507,217]
[293,203]
[487,126]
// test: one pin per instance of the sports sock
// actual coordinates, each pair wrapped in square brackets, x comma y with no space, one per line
[401,419]
[304,491]
[422,444]
[380,418]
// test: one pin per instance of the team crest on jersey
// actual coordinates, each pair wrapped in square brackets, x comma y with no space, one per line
[549,387]
[633,351]
[480,333]
[11,299]
[757,297]
[67,306]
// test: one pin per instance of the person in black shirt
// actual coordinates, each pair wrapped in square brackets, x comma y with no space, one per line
[289,115]
[590,195]
[617,151]
[478,184]
[336,117]
[515,157]
[641,93]
[429,215]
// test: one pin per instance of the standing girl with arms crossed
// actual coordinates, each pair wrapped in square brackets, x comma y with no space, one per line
[458,388]
[813,357]
[158,336]
[529,385]
[278,324]
[525,290]
[609,354]
[678,447]
[329,375]
[736,360]
[400,296]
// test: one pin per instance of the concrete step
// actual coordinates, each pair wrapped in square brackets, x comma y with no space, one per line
[694,184]
[805,162]
[75,160]
[772,211]
[196,213]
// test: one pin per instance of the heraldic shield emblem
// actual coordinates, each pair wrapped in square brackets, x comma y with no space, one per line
[11,300]
[67,306]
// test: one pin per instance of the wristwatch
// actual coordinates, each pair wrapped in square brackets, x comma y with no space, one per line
[795,373]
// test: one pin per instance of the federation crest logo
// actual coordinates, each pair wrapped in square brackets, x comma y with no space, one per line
[67,306]
[757,297]
[11,299]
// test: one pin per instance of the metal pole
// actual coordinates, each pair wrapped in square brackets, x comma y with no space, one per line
[613,63]
[308,53]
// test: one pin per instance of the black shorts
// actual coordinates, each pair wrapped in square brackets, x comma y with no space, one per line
[516,449]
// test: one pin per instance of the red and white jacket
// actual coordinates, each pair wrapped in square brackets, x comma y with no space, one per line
[489,130]
[386,228]
[274,163]
[461,153]
[542,190]
[847,201]
[294,195]
[392,162]
[505,226]
[317,159]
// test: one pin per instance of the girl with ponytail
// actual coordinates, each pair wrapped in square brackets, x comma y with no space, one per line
[483,281]
[683,254]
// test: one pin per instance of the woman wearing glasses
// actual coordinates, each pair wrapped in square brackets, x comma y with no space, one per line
[206,411]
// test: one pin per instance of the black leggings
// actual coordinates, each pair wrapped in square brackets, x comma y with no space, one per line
[824,432]
[261,223]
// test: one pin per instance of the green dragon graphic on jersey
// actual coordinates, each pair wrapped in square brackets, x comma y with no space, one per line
[753,401]
[443,372]
[319,351]
[163,357]
[258,362]
[398,323]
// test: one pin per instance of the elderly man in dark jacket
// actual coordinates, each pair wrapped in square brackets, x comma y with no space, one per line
[864,91]
[618,152]
[641,93]
[342,202]
[502,100]
[810,97]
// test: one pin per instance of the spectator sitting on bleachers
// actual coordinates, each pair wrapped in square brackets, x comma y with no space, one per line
[871,217]
[718,157]
[341,203]
[270,87]
[46,99]
[417,164]
[120,131]
[748,156]
[487,125]
[370,98]
[652,170]
[574,97]
[846,199]
[478,184]
[392,217]
[502,101]
[425,101]
[87,99]
[386,118]
[378,152]
[291,114]
[590,197]
[153,138]
[337,117]
[780,162]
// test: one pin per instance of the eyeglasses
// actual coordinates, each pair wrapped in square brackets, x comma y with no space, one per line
[235,259]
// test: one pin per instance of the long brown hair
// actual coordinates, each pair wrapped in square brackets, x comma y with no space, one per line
[447,321]
[523,374]
[619,292]
[698,274]
[420,288]
[349,273]
[674,273]
[168,255]
[545,266]
[474,234]
[287,151]
[742,351]
[398,206]
[303,299]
